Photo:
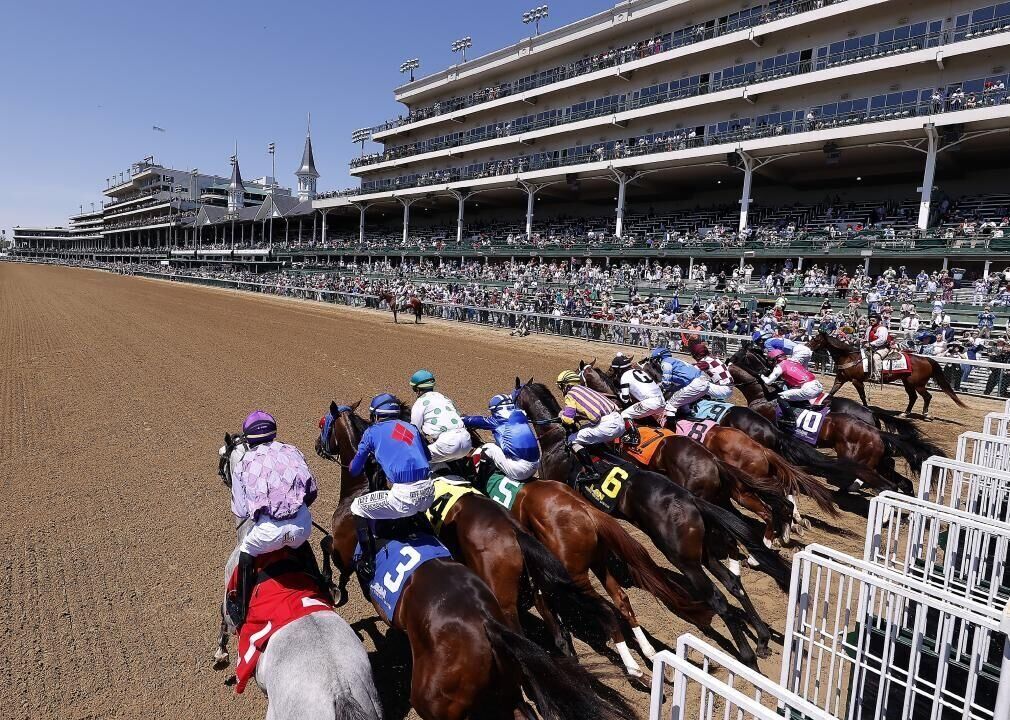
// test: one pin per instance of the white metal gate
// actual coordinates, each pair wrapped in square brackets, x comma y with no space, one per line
[988,451]
[965,486]
[863,642]
[996,424]
[952,550]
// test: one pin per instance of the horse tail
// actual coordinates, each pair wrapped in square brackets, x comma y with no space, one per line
[901,427]
[646,574]
[559,688]
[767,489]
[943,382]
[802,481]
[565,598]
[837,471]
[347,708]
[770,561]
[915,452]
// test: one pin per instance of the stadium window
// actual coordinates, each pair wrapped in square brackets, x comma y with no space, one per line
[983,14]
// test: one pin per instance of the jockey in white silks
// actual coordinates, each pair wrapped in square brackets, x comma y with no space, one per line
[439,421]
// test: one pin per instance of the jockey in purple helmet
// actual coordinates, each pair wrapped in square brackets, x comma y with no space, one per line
[272,487]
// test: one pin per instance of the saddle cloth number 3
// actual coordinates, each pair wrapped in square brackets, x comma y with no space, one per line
[413,557]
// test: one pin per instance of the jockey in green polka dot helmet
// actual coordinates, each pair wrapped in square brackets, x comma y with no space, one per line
[439,421]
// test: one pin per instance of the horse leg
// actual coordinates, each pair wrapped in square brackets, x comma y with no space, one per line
[910,391]
[627,614]
[716,600]
[861,389]
[750,500]
[927,396]
[559,633]
[221,654]
[732,583]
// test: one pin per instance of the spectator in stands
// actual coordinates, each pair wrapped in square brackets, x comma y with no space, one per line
[997,376]
[986,321]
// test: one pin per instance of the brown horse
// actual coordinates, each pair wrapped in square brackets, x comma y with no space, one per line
[762,468]
[413,304]
[467,663]
[582,538]
[691,532]
[851,439]
[485,538]
[849,368]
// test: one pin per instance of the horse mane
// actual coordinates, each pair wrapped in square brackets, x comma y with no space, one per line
[545,396]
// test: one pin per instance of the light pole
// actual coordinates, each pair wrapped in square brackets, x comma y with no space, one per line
[460,46]
[535,16]
[360,136]
[272,149]
[410,66]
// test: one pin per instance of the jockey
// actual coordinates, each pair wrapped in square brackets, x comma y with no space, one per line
[878,342]
[687,383]
[273,487]
[802,385]
[401,452]
[601,421]
[797,352]
[439,420]
[642,395]
[720,382]
[515,450]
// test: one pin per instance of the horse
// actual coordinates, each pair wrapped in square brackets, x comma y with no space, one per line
[488,540]
[762,469]
[579,536]
[852,439]
[688,530]
[413,304]
[849,368]
[313,668]
[756,364]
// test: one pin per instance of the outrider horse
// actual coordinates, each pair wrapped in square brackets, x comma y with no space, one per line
[849,368]
[761,468]
[489,541]
[581,537]
[467,662]
[691,532]
[851,438]
[413,304]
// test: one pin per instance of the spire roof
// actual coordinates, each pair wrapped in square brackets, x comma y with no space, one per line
[236,176]
[308,162]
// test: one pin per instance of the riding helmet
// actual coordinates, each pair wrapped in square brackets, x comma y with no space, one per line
[502,404]
[422,380]
[775,354]
[383,407]
[620,362]
[568,378]
[259,427]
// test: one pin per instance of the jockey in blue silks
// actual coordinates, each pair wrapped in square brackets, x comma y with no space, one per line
[683,382]
[515,450]
[400,450]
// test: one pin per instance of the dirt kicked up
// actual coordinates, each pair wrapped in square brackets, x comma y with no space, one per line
[114,396]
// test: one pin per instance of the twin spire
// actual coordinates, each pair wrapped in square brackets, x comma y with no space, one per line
[306,174]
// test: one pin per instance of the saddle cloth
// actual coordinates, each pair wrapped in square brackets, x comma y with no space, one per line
[897,363]
[809,423]
[503,490]
[607,490]
[713,410]
[396,561]
[650,440]
[695,429]
[275,602]
[447,493]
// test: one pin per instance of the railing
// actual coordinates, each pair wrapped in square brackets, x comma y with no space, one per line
[967,487]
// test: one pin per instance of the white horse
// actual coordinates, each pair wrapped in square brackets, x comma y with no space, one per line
[314,668]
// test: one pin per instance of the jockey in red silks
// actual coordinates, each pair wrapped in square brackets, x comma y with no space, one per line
[272,487]
[720,382]
[801,385]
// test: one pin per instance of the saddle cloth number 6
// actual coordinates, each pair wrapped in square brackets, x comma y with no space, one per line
[413,558]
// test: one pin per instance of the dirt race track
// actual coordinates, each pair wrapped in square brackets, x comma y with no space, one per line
[114,395]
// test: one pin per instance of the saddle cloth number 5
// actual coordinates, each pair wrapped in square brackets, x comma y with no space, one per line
[413,558]
[505,492]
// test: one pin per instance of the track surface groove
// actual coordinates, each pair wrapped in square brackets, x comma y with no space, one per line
[114,394]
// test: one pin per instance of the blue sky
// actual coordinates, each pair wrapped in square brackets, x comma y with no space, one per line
[84,82]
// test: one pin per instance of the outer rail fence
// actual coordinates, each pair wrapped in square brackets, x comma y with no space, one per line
[985,379]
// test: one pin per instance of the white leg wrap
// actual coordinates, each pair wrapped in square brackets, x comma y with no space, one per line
[643,643]
[734,567]
[630,665]
[752,561]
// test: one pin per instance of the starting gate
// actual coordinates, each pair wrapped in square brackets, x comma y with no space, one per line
[988,451]
[864,642]
[968,487]
[997,424]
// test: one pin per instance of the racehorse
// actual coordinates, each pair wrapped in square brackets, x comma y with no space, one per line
[762,468]
[314,667]
[691,532]
[851,438]
[413,304]
[581,537]
[490,542]
[755,364]
[849,368]
[467,663]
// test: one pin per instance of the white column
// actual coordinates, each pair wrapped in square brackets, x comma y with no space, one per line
[690,267]
[866,266]
[406,218]
[461,198]
[799,264]
[531,195]
[324,212]
[622,187]
[748,176]
[361,224]
[926,191]
[985,269]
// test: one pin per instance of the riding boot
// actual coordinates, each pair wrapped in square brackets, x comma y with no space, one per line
[588,473]
[366,540]
[788,419]
[238,606]
[631,435]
